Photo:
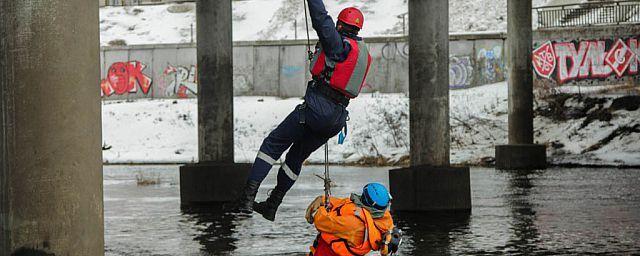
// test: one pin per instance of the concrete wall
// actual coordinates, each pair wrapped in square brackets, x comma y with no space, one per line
[587,57]
[279,68]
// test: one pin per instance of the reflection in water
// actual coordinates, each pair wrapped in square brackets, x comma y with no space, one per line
[215,228]
[444,233]
[518,195]
[431,233]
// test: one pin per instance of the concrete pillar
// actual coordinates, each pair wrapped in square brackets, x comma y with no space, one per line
[521,153]
[429,82]
[50,133]
[216,179]
[519,44]
[215,81]
[430,184]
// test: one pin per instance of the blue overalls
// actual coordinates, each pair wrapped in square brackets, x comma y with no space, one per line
[312,123]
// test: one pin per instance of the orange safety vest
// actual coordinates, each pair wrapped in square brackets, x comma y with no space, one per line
[350,230]
[348,76]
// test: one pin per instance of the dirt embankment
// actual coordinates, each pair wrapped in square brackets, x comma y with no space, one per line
[599,122]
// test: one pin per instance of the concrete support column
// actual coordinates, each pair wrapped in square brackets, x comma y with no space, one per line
[429,82]
[430,184]
[216,179]
[215,81]
[50,131]
[519,44]
[521,153]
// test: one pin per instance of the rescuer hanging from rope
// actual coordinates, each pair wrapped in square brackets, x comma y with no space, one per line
[339,67]
[354,226]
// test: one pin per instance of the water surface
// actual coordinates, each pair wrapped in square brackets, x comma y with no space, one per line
[556,211]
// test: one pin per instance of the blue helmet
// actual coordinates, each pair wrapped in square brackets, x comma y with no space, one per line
[376,195]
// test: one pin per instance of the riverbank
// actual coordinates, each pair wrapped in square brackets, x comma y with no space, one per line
[579,130]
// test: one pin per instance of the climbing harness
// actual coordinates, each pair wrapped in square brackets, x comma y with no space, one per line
[326,178]
[301,110]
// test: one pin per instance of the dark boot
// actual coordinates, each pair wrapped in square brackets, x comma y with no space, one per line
[268,208]
[245,202]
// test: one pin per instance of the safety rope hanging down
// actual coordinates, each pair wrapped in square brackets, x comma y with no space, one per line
[327,179]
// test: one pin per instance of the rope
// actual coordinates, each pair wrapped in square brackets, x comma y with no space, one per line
[306,22]
[327,178]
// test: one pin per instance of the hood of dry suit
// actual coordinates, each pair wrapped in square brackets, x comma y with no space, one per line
[375,213]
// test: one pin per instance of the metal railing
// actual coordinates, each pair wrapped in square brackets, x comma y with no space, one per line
[589,14]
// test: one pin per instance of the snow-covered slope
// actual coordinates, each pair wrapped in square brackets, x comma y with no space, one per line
[274,19]
[577,130]
[157,24]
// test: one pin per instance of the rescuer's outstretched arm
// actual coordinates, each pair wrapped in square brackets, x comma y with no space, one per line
[331,41]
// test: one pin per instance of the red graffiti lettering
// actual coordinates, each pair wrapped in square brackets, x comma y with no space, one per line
[593,65]
[591,60]
[635,60]
[544,60]
[619,57]
[567,52]
[184,81]
[123,77]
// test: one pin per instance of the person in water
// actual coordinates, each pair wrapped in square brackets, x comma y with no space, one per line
[354,226]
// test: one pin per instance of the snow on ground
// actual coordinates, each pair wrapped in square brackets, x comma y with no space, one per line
[274,19]
[164,131]
[146,131]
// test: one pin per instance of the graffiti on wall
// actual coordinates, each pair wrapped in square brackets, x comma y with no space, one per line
[391,51]
[460,72]
[490,65]
[180,81]
[242,79]
[464,71]
[460,67]
[586,60]
[125,77]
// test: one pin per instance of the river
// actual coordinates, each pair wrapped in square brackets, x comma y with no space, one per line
[555,211]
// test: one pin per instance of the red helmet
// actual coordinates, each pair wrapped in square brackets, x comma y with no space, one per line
[352,16]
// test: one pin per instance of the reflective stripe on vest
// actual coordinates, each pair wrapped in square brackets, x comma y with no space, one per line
[348,76]
[356,81]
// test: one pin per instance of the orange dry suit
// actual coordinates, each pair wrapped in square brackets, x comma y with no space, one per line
[349,228]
